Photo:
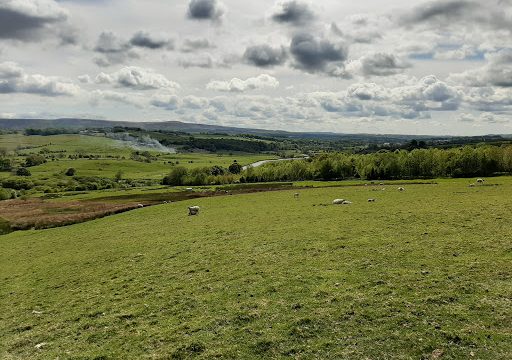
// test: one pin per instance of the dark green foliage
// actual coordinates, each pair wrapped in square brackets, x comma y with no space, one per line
[5,164]
[217,170]
[219,144]
[142,156]
[34,160]
[23,172]
[467,161]
[49,131]
[85,183]
[17,184]
[235,168]
[70,172]
[176,176]
[5,227]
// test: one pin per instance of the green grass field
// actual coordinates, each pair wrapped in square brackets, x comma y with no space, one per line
[107,167]
[71,143]
[423,274]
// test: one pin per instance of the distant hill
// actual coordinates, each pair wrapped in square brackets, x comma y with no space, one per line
[72,123]
[178,126]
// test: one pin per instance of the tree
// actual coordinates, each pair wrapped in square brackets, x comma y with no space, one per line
[23,172]
[216,170]
[235,168]
[70,172]
[176,176]
[34,160]
[5,164]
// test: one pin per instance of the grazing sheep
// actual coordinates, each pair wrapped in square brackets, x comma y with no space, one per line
[338,201]
[471,185]
[480,181]
[371,200]
[296,195]
[193,210]
[346,202]
[401,189]
[189,189]
[140,205]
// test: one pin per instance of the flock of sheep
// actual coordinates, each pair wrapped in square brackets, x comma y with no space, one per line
[370,200]
[194,210]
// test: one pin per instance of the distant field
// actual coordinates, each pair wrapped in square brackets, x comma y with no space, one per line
[71,143]
[107,167]
[423,274]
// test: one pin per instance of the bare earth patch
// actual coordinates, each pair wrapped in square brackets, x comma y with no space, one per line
[40,214]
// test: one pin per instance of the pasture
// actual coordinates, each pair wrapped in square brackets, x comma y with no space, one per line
[110,157]
[420,274]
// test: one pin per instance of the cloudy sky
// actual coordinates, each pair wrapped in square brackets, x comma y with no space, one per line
[367,66]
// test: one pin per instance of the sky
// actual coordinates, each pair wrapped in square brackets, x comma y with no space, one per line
[441,67]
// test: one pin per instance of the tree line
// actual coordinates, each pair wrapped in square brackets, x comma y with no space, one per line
[461,162]
[431,163]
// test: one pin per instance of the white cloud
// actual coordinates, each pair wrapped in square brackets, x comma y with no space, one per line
[137,78]
[237,85]
[8,116]
[14,79]
[31,20]
[378,64]
[497,72]
[97,96]
[165,101]
[482,119]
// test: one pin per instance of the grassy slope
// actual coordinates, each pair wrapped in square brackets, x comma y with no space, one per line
[71,143]
[74,144]
[264,275]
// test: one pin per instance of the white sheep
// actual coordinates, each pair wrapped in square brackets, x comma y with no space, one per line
[401,189]
[338,201]
[371,200]
[193,210]
[480,181]
[346,202]
[140,205]
[296,195]
[471,185]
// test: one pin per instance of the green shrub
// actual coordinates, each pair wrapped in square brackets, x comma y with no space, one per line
[5,194]
[235,168]
[34,160]
[23,172]
[70,172]
[176,177]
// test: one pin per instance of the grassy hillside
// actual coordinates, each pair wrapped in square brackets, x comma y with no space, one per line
[416,275]
[68,143]
[63,146]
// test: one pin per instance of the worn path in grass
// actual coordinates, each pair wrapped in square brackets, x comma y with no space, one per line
[421,274]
